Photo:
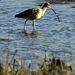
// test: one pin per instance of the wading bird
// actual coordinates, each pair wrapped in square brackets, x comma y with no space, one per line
[35,13]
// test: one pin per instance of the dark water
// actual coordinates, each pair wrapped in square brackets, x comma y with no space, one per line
[57,37]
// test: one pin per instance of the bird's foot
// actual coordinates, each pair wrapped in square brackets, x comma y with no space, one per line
[25,31]
[33,32]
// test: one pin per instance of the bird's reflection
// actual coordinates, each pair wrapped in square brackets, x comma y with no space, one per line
[33,33]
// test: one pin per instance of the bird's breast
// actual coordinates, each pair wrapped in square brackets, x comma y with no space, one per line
[37,13]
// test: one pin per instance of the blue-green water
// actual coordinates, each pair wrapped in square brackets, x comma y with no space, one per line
[57,37]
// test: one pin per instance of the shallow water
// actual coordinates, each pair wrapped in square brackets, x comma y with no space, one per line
[57,37]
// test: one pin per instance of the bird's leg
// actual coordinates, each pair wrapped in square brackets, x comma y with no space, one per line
[25,25]
[33,25]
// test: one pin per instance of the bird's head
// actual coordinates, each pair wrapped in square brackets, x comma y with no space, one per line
[47,5]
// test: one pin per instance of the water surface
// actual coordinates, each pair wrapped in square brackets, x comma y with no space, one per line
[57,37]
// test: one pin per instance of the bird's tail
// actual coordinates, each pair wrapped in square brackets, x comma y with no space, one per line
[17,15]
[20,15]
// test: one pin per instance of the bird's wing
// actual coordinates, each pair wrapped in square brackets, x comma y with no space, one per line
[30,13]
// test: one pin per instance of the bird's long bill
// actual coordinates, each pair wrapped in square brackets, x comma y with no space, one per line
[56,14]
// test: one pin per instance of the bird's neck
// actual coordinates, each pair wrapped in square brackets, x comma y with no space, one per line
[44,9]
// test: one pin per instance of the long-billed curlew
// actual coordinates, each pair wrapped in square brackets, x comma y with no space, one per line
[34,13]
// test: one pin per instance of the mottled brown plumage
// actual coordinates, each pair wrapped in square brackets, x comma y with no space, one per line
[31,14]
